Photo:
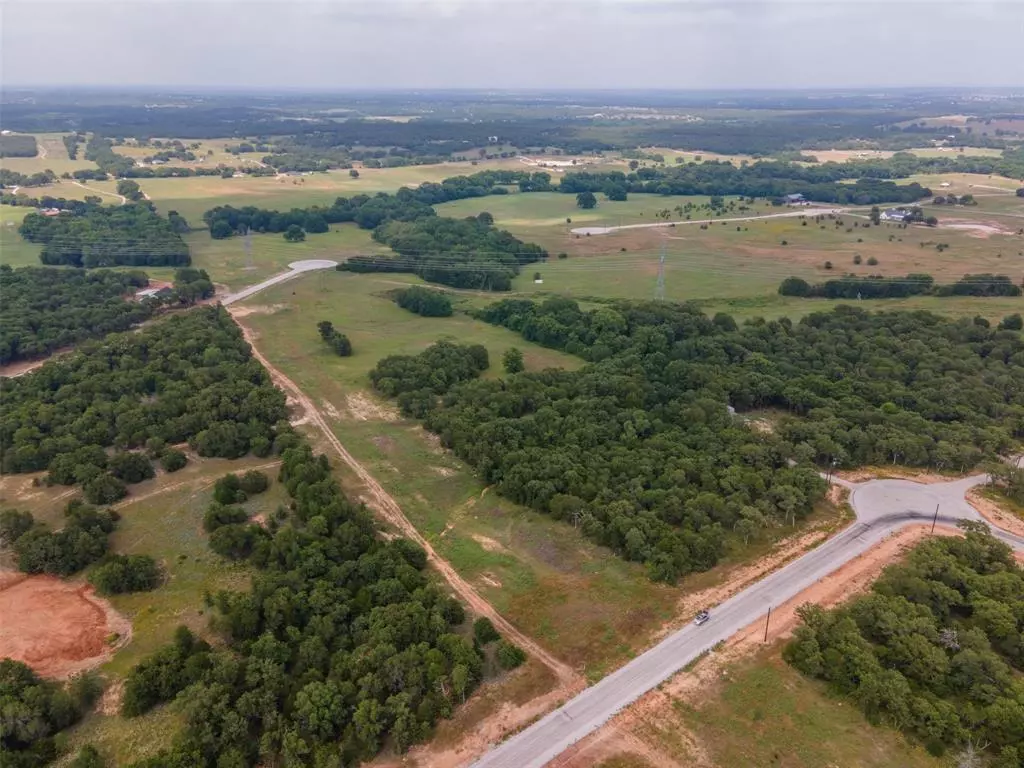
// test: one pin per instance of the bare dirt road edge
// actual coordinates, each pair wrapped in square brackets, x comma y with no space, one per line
[382,502]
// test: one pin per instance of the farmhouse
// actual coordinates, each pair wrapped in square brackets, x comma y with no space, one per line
[795,199]
[894,214]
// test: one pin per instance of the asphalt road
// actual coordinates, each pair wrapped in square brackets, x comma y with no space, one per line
[881,507]
[295,269]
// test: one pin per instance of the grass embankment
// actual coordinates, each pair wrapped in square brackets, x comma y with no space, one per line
[764,713]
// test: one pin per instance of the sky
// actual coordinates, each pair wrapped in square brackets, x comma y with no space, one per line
[513,44]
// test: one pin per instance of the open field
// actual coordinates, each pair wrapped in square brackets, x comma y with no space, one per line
[191,197]
[13,249]
[581,602]
[227,261]
[764,713]
[742,259]
[52,154]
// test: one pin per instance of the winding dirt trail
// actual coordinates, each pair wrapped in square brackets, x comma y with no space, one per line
[382,502]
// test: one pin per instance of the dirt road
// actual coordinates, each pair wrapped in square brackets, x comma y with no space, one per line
[382,502]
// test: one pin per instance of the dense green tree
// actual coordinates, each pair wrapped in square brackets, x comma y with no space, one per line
[33,711]
[931,649]
[424,301]
[172,460]
[116,574]
[102,236]
[190,378]
[484,631]
[586,199]
[512,360]
[80,542]
[294,234]
[45,309]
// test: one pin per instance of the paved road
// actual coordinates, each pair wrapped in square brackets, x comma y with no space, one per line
[295,269]
[881,506]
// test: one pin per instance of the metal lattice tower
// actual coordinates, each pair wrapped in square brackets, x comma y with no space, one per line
[247,245]
[659,288]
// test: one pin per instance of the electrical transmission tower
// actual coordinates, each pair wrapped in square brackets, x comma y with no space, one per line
[659,288]
[247,245]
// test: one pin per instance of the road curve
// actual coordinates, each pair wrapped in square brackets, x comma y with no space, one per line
[295,269]
[882,507]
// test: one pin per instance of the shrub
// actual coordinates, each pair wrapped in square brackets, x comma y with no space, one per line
[218,515]
[424,301]
[513,360]
[856,258]
[253,482]
[13,524]
[794,286]
[125,573]
[172,459]
[88,757]
[228,490]
[484,631]
[509,655]
[828,265]
[1012,322]
[105,489]
[236,541]
[130,467]
[872,261]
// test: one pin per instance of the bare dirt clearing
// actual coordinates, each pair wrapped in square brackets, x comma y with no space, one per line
[362,408]
[993,512]
[58,628]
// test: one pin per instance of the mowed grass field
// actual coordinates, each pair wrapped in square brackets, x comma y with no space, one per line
[52,154]
[15,251]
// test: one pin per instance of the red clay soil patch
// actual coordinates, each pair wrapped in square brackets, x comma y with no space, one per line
[58,628]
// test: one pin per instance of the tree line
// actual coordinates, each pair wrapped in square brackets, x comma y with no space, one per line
[9,178]
[418,380]
[36,710]
[462,253]
[18,145]
[46,309]
[107,236]
[341,646]
[639,448]
[191,378]
[935,650]
[764,179]
[880,287]
[369,212]
[423,301]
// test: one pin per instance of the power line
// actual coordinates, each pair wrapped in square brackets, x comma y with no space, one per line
[659,288]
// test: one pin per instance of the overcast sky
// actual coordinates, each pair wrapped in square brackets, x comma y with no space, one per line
[682,44]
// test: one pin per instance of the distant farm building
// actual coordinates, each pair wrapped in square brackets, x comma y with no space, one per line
[795,199]
[894,214]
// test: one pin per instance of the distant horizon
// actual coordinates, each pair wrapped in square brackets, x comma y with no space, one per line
[487,45]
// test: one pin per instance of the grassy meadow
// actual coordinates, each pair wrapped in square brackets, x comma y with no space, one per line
[763,713]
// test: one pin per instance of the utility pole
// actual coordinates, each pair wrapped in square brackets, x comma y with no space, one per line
[768,619]
[936,518]
[247,245]
[659,288]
